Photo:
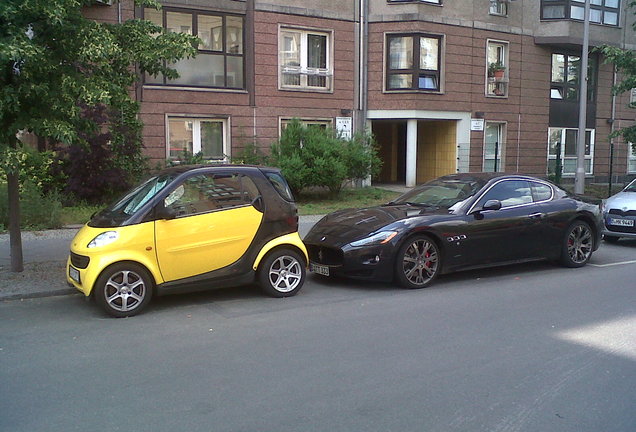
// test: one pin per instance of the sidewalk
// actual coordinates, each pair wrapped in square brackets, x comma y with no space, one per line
[45,254]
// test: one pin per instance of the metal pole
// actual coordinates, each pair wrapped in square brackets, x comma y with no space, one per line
[579,180]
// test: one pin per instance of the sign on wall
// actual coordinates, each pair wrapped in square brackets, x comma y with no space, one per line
[343,126]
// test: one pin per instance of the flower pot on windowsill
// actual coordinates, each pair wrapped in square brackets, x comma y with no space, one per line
[499,74]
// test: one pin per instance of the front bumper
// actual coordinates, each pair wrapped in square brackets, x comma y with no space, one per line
[611,227]
[366,263]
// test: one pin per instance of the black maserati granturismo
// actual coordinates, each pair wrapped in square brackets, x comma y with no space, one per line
[456,222]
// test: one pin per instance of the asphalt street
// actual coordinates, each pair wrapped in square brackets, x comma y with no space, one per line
[532,347]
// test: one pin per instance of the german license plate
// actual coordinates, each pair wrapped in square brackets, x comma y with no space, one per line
[622,222]
[74,274]
[319,269]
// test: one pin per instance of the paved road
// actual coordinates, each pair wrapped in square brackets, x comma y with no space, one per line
[525,348]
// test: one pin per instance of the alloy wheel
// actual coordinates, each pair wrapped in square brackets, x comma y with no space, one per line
[579,244]
[124,291]
[420,262]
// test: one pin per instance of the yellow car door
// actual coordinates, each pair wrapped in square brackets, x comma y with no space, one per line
[214,225]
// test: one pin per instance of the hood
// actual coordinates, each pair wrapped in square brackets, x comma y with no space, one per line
[622,200]
[344,226]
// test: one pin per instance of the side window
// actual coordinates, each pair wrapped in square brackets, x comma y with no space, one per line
[208,192]
[510,193]
[542,192]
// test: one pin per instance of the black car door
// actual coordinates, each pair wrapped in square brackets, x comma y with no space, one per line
[508,234]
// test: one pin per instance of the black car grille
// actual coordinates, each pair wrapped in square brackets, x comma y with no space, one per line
[79,261]
[325,255]
[621,229]
[620,212]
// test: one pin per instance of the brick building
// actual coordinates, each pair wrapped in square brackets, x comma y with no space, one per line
[445,86]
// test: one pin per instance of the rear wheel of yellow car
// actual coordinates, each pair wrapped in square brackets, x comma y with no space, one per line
[282,273]
[123,289]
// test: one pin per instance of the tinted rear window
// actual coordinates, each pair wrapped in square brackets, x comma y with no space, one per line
[280,184]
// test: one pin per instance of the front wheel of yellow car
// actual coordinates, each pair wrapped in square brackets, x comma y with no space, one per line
[282,273]
[123,289]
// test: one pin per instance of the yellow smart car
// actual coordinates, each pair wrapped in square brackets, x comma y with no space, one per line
[190,228]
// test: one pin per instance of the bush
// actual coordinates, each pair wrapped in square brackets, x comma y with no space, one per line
[37,210]
[313,156]
[103,163]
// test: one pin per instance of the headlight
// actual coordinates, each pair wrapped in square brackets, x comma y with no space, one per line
[103,239]
[378,238]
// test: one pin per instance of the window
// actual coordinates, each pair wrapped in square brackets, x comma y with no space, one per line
[601,11]
[208,192]
[219,62]
[632,96]
[194,135]
[305,60]
[565,77]
[321,123]
[494,146]
[631,162]
[562,150]
[499,7]
[413,62]
[497,67]
[439,2]
[510,193]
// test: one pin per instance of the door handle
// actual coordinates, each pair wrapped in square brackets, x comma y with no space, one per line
[536,215]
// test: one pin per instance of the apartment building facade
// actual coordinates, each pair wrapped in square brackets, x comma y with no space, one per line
[445,85]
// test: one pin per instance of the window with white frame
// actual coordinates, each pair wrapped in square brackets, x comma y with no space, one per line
[321,123]
[499,7]
[497,67]
[494,146]
[305,59]
[631,163]
[562,143]
[197,135]
[414,62]
[438,2]
[632,96]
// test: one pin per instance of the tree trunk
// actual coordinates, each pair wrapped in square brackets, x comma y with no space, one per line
[15,236]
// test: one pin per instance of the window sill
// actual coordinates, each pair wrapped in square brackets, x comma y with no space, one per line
[188,88]
[420,91]
[496,96]
[306,90]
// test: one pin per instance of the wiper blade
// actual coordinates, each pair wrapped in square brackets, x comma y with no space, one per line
[416,204]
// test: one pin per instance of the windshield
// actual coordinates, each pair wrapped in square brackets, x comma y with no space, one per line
[630,187]
[442,192]
[132,202]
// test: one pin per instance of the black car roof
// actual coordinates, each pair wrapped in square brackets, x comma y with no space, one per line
[180,169]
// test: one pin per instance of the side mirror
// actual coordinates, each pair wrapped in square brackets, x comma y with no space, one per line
[166,213]
[492,205]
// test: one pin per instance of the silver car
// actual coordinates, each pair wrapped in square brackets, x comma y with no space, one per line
[619,214]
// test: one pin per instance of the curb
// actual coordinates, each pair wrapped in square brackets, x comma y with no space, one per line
[41,294]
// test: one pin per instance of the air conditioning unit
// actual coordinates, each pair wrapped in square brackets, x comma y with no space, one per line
[105,2]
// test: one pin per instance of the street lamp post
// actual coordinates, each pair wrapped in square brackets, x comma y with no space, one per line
[579,180]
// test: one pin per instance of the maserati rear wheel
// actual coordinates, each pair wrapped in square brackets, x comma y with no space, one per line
[418,262]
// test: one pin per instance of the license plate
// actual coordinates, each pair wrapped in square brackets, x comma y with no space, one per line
[622,222]
[74,274]
[319,269]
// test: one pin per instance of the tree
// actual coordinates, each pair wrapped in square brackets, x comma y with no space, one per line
[625,62]
[54,63]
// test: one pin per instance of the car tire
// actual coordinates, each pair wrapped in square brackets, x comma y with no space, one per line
[418,262]
[282,273]
[578,245]
[123,289]
[611,239]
